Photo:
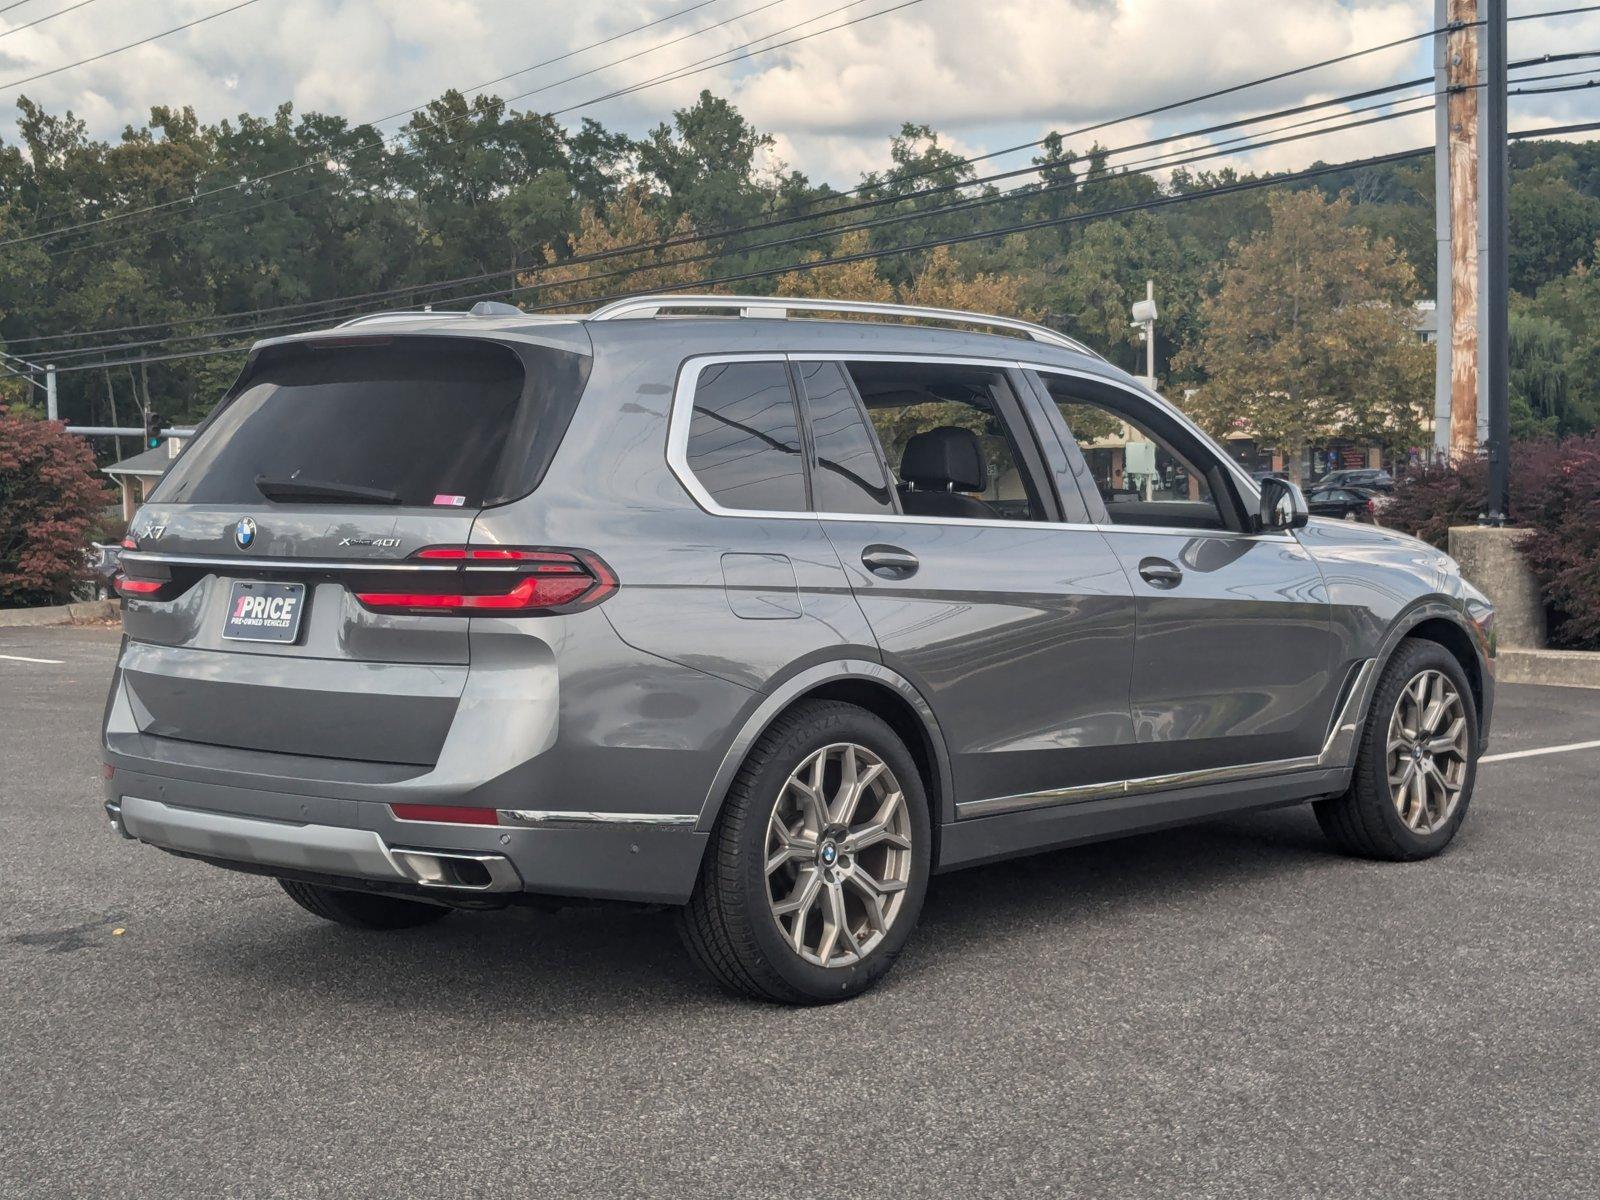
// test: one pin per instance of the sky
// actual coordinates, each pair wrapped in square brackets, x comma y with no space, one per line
[984,73]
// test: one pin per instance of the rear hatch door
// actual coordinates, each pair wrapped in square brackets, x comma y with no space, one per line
[335,471]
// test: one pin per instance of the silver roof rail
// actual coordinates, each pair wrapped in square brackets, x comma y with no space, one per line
[781,306]
[398,314]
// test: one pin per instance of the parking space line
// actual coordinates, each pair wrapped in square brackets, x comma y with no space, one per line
[1510,754]
[52,662]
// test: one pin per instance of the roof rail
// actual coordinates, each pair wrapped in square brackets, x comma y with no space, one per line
[398,314]
[781,306]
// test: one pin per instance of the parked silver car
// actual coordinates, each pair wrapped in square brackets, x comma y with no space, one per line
[771,619]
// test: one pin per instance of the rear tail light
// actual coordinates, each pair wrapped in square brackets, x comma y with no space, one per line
[501,581]
[143,589]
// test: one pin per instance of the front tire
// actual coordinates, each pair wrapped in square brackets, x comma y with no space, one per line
[1417,764]
[816,873]
[362,910]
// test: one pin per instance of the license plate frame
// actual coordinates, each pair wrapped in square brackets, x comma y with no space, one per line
[276,619]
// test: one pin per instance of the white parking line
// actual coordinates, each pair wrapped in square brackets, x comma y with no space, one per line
[1510,754]
[51,662]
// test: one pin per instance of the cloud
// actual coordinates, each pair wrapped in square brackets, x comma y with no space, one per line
[984,75]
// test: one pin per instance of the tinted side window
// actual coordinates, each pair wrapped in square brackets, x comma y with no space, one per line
[947,440]
[849,476]
[744,438]
[1142,478]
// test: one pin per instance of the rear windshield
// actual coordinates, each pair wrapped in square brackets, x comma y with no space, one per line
[440,422]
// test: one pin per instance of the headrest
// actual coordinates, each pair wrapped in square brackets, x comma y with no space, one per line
[948,458]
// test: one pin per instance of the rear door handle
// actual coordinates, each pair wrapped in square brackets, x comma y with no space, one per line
[891,562]
[1158,572]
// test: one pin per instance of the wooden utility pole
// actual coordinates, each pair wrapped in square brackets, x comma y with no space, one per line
[1462,102]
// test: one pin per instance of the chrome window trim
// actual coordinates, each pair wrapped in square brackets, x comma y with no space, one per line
[683,413]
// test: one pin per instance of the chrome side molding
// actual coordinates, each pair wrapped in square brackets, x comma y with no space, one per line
[1337,750]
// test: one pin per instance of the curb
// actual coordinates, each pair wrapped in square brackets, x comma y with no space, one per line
[1553,668]
[60,614]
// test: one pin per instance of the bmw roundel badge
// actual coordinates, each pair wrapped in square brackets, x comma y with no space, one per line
[244,533]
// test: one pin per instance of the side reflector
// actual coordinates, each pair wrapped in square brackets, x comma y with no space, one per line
[447,813]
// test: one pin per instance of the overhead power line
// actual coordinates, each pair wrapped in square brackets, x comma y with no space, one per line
[934,243]
[1167,107]
[154,37]
[418,289]
[231,187]
[1122,169]
[382,141]
[49,17]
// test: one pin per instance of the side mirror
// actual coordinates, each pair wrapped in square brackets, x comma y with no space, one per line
[1283,506]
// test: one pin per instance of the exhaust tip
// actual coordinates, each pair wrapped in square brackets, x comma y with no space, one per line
[114,815]
[468,872]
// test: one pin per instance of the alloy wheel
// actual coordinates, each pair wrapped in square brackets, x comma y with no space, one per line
[838,855]
[1427,751]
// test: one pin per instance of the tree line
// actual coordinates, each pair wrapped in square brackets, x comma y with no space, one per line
[1286,307]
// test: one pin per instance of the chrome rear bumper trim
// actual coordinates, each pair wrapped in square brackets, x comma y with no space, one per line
[542,816]
[325,849]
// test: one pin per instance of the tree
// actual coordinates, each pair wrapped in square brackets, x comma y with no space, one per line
[627,223]
[49,499]
[1310,335]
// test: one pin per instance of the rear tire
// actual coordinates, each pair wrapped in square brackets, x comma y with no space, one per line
[362,910]
[1416,767]
[810,888]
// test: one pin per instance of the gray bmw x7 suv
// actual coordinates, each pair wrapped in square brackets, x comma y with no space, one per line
[769,619]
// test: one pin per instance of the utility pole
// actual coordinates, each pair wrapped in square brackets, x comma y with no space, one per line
[1497,306]
[1461,150]
[51,409]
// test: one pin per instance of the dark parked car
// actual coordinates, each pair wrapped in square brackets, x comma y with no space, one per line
[1371,478]
[771,620]
[1345,503]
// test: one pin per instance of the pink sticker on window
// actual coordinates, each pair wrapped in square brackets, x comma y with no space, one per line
[452,501]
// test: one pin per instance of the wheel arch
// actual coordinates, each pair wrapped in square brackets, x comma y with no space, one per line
[1440,622]
[870,686]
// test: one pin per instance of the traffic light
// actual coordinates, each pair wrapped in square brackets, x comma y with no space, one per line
[152,429]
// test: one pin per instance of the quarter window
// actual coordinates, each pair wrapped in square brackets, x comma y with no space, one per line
[744,437]
[848,476]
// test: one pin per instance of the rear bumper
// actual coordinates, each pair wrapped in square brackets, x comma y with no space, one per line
[335,838]
[324,849]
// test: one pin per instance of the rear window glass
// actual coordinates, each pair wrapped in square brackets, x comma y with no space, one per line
[430,422]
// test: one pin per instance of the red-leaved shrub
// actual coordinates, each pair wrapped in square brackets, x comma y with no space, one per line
[1555,497]
[1427,500]
[49,499]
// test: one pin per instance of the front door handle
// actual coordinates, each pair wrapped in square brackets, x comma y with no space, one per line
[891,562]
[1158,572]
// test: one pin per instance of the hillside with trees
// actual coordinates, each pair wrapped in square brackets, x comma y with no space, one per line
[301,218]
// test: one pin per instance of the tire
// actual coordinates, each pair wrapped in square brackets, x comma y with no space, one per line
[731,925]
[1370,819]
[362,910]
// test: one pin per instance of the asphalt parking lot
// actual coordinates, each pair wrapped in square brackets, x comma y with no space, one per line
[1227,1010]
